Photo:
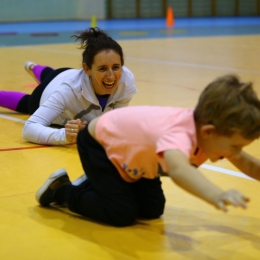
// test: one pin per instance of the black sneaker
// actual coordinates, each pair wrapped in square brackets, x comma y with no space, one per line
[46,194]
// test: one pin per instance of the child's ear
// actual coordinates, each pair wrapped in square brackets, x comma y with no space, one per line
[86,69]
[207,130]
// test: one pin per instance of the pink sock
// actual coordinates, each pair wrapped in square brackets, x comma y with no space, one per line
[37,71]
[10,99]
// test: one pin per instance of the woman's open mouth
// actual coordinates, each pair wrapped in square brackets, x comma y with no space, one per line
[108,85]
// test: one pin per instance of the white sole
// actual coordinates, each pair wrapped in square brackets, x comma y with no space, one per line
[81,179]
[27,66]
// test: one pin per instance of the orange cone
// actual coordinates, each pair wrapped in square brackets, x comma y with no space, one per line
[169,17]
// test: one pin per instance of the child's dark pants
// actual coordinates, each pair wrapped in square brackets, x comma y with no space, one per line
[105,196]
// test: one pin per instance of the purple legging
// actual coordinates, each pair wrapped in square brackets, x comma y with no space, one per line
[28,104]
[18,101]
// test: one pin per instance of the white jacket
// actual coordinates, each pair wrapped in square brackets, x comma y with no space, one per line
[70,96]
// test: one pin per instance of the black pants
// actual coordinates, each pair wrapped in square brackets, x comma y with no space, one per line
[30,103]
[105,196]
[46,77]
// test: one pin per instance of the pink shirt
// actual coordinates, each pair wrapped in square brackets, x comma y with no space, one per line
[135,138]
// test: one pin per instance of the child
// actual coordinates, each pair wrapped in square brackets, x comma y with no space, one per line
[120,152]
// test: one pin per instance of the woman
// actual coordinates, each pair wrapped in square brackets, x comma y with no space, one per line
[71,97]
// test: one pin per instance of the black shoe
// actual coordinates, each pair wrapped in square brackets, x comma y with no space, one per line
[46,194]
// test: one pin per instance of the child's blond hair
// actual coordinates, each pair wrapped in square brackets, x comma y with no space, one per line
[231,106]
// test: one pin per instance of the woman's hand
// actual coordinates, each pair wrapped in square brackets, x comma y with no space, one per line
[72,129]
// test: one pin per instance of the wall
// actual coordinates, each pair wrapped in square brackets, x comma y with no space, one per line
[52,10]
[182,8]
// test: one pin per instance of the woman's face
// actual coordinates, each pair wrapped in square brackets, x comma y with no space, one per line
[105,72]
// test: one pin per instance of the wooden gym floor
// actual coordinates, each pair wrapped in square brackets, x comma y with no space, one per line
[168,71]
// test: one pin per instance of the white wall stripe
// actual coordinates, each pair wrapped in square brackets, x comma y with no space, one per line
[194,65]
[12,118]
[205,166]
[222,170]
[32,48]
[180,64]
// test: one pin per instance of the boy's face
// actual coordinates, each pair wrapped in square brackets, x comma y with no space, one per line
[218,146]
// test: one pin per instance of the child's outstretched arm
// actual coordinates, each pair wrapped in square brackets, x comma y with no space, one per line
[191,180]
[247,164]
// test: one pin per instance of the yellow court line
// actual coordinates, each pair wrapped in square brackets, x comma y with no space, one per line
[173,31]
[133,33]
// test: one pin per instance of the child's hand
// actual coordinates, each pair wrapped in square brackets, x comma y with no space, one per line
[73,127]
[231,197]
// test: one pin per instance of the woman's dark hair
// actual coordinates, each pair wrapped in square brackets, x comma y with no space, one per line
[93,41]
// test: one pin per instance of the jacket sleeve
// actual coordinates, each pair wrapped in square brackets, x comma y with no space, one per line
[128,90]
[122,103]
[37,128]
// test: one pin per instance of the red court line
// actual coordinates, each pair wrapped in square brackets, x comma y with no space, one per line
[8,33]
[43,34]
[26,148]
[21,148]
[15,195]
[31,85]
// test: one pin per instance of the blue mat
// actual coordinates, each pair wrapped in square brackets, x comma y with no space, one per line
[13,34]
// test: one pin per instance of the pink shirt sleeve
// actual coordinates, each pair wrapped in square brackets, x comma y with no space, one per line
[179,141]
